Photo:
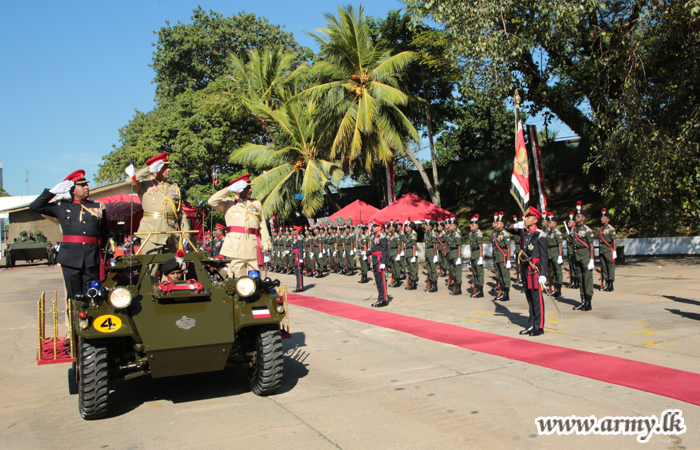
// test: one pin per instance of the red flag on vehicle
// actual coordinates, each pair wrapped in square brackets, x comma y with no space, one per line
[520,181]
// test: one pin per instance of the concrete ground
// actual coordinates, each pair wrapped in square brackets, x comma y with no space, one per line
[351,385]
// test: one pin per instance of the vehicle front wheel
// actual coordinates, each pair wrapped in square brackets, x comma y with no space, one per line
[93,389]
[266,373]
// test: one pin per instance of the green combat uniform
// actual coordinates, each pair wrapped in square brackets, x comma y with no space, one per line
[363,244]
[476,238]
[501,248]
[411,257]
[606,247]
[431,242]
[403,263]
[442,251]
[350,249]
[455,257]
[555,239]
[583,241]
[574,272]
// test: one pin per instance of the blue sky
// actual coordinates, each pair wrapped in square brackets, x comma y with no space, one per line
[73,72]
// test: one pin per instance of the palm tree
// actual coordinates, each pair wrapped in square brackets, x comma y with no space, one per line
[294,171]
[359,94]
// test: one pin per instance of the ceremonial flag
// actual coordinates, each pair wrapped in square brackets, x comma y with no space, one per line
[215,176]
[520,181]
[537,163]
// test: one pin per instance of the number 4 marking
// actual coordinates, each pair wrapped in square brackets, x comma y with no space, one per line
[107,324]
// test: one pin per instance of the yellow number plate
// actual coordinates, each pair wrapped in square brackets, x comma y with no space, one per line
[107,324]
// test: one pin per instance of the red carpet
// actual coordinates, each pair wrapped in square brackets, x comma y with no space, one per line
[677,384]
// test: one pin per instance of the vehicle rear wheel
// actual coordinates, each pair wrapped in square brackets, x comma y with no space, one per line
[93,389]
[266,374]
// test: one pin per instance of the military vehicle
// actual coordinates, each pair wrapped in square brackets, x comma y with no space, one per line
[135,324]
[29,247]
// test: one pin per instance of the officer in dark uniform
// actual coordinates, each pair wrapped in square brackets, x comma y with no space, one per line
[217,239]
[84,227]
[297,251]
[379,250]
[534,261]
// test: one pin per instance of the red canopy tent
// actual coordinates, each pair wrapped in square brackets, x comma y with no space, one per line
[411,207]
[359,211]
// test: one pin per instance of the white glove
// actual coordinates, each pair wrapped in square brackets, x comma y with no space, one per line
[323,252]
[266,258]
[278,254]
[560,260]
[398,257]
[343,253]
[130,170]
[519,225]
[591,264]
[543,280]
[382,267]
[480,262]
[458,262]
[312,255]
[435,259]
[156,166]
[352,252]
[62,188]
[614,255]
[303,255]
[364,258]
[238,187]
[334,253]
[413,259]
[508,264]
[401,254]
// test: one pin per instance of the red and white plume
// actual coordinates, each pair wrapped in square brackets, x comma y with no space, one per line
[571,216]
[131,172]
[180,256]
[579,205]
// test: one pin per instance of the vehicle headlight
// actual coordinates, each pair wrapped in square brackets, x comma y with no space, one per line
[120,298]
[245,286]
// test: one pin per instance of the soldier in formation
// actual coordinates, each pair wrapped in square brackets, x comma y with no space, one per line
[297,255]
[607,251]
[574,273]
[476,245]
[431,255]
[501,256]
[410,243]
[584,257]
[379,253]
[555,254]
[454,255]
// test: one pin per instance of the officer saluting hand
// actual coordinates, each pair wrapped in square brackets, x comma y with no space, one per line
[84,227]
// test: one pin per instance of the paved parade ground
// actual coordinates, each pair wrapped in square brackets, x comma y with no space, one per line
[445,372]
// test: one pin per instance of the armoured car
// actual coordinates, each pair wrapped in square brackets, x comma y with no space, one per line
[137,323]
[28,247]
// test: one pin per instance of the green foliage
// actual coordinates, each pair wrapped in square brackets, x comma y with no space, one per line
[633,62]
[4,193]
[291,165]
[359,95]
[192,55]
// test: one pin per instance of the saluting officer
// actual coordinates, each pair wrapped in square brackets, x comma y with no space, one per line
[379,253]
[501,256]
[533,257]
[555,254]
[247,235]
[607,251]
[84,227]
[584,257]
[162,205]
[476,245]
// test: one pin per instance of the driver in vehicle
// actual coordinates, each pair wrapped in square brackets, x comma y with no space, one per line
[172,271]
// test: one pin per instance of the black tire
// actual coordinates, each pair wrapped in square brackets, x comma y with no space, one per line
[93,378]
[266,375]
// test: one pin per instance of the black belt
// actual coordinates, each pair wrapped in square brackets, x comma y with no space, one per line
[554,246]
[454,248]
[579,248]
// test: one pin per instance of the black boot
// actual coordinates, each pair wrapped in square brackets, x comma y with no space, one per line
[505,295]
[433,287]
[478,292]
[457,289]
[557,290]
[580,306]
[410,285]
[610,287]
[587,304]
[380,304]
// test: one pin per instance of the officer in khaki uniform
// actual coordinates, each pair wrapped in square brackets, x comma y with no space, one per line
[607,251]
[247,235]
[161,203]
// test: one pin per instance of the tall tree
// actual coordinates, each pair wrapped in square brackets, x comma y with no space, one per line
[360,93]
[294,171]
[631,61]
